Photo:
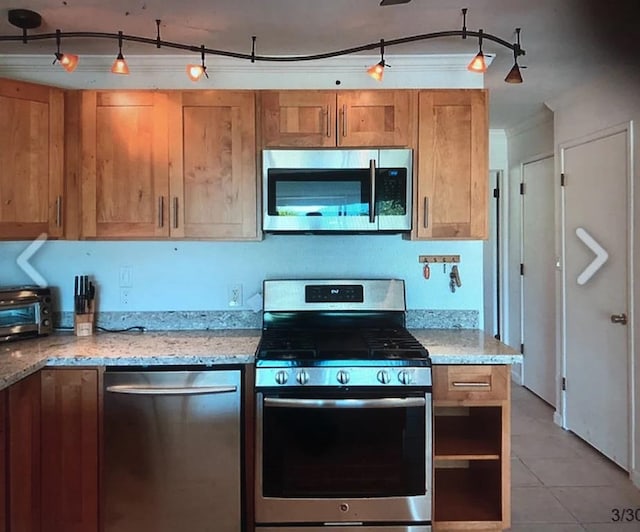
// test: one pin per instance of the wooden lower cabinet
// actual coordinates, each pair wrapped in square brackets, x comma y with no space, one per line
[3,461]
[23,455]
[70,435]
[471,449]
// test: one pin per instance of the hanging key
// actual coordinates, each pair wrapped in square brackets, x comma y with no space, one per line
[455,276]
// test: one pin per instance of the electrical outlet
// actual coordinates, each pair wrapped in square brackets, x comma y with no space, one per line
[235,295]
[126,278]
[125,295]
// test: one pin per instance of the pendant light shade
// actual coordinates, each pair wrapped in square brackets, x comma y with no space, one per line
[377,71]
[478,63]
[514,75]
[195,72]
[120,64]
[67,61]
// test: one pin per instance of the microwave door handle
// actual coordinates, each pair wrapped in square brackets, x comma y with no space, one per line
[372,197]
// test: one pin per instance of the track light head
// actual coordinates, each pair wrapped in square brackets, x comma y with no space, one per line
[478,63]
[195,72]
[377,71]
[120,64]
[67,61]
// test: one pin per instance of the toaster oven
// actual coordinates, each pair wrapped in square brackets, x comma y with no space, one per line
[25,312]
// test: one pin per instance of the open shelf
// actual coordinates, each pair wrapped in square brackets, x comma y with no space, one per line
[476,435]
[468,494]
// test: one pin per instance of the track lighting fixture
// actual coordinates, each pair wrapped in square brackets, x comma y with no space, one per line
[67,61]
[120,64]
[26,20]
[478,64]
[514,75]
[195,72]
[377,71]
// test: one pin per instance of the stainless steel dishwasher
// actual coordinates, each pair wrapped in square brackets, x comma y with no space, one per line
[172,448]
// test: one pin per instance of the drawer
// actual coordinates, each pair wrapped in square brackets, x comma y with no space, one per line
[470,383]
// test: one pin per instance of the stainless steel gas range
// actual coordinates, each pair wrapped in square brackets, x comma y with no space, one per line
[343,405]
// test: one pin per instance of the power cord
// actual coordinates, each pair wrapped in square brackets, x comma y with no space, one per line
[138,328]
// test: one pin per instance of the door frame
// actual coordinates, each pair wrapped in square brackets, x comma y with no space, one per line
[560,417]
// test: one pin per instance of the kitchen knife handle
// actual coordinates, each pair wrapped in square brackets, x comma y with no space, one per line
[425,221]
[372,198]
[161,211]
[59,211]
[175,212]
[328,120]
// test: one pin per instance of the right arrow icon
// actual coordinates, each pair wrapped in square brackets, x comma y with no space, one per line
[601,256]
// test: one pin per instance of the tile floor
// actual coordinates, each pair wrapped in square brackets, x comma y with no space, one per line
[559,483]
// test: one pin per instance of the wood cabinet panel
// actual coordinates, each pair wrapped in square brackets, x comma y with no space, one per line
[453,168]
[31,160]
[298,118]
[70,450]
[213,165]
[324,119]
[375,118]
[3,461]
[24,462]
[472,447]
[124,164]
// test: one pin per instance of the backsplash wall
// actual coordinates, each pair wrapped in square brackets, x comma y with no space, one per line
[188,276]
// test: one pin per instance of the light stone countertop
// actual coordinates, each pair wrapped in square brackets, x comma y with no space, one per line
[213,347]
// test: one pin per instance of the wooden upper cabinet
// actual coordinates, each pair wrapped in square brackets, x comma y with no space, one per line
[70,450]
[31,160]
[322,119]
[298,119]
[125,173]
[453,168]
[213,176]
[375,118]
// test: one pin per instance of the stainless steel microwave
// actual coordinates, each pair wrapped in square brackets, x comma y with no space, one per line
[335,190]
[25,312]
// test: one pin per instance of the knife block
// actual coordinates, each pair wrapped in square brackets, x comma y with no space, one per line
[84,324]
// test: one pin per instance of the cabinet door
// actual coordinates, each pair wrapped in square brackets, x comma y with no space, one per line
[453,168]
[375,118]
[31,160]
[3,461]
[298,118]
[24,455]
[70,450]
[125,171]
[213,165]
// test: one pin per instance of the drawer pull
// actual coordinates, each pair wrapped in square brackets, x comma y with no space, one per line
[472,384]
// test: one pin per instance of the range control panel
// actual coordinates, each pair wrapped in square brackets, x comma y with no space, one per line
[352,293]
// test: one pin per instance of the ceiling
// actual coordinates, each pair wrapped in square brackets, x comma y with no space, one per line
[567,42]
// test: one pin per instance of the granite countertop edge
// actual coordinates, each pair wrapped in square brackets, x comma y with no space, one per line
[209,348]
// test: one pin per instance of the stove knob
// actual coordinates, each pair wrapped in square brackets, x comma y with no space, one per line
[343,376]
[383,377]
[302,377]
[282,377]
[405,377]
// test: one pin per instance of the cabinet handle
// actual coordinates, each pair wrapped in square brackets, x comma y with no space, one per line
[327,118]
[161,211]
[175,212]
[344,120]
[59,211]
[471,384]
[372,199]
[425,221]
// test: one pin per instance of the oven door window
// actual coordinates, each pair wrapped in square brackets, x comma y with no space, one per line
[328,193]
[19,315]
[329,452]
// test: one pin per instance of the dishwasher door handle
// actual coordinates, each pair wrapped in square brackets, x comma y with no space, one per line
[165,390]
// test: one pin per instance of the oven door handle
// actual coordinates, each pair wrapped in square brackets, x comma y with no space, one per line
[384,402]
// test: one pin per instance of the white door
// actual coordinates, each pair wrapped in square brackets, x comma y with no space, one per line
[596,354]
[538,281]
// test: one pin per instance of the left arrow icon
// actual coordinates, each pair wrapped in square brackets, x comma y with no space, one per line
[601,256]
[25,256]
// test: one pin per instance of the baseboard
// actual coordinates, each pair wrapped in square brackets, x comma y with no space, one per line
[635,478]
[557,419]
[516,373]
